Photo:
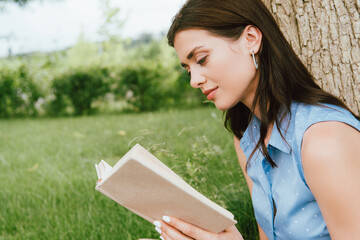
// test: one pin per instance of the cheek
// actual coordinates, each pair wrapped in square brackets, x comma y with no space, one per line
[222,67]
[237,72]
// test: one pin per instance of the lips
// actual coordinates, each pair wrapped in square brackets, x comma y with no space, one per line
[210,93]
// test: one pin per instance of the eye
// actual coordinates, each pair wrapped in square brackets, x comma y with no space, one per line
[202,61]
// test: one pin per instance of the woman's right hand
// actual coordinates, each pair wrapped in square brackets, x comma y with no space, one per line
[175,229]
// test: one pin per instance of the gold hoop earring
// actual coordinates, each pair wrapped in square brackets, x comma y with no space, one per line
[253,56]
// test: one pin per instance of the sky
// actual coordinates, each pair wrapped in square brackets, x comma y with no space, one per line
[48,25]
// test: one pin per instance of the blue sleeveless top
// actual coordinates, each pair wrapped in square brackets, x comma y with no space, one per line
[284,187]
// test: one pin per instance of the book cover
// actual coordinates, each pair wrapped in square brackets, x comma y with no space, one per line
[143,184]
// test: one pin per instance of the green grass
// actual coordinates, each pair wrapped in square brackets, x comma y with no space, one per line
[47,172]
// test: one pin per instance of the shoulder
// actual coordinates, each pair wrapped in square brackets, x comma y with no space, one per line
[243,162]
[315,113]
[313,129]
[328,141]
[330,159]
[305,116]
[240,154]
[327,133]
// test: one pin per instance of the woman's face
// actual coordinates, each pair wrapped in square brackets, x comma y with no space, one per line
[223,69]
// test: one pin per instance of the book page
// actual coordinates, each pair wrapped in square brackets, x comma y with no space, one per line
[151,196]
[156,165]
[142,183]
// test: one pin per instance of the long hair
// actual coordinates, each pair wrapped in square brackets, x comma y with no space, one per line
[283,77]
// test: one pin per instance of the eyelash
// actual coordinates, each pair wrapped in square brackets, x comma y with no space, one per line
[201,62]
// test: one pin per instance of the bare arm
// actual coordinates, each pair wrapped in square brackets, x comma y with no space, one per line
[331,162]
[242,161]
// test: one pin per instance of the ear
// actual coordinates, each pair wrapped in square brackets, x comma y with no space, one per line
[253,37]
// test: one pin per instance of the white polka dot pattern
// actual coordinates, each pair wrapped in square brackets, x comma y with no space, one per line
[284,187]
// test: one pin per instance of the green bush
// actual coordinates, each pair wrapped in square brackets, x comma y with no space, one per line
[18,93]
[142,75]
[8,95]
[60,102]
[147,86]
[78,89]
[141,86]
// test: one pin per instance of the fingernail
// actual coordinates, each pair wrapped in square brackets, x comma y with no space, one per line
[166,219]
[157,224]
[161,238]
[158,230]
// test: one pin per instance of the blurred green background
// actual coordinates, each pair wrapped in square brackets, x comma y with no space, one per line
[116,74]
[107,77]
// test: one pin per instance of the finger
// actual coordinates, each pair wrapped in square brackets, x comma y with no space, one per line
[231,229]
[231,233]
[188,229]
[164,229]
[172,233]
[164,236]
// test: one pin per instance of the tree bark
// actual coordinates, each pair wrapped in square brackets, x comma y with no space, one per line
[326,36]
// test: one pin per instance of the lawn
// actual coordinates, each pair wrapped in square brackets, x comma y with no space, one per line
[48,177]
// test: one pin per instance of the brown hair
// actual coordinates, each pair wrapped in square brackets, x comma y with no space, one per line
[283,77]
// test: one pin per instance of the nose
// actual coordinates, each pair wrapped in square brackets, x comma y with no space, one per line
[197,79]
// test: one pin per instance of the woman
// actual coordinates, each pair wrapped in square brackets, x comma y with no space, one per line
[297,145]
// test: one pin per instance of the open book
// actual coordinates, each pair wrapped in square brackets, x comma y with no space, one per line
[143,184]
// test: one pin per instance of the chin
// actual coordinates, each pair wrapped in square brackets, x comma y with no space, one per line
[222,107]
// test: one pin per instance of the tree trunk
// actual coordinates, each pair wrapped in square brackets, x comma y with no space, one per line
[326,36]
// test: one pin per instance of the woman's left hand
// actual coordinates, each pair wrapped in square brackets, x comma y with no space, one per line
[172,228]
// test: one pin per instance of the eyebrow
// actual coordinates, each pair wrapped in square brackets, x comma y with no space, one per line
[191,55]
